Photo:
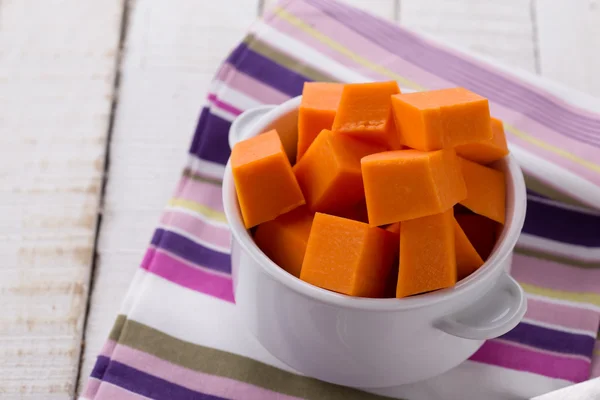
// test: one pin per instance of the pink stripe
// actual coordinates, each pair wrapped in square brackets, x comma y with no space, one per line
[253,88]
[108,348]
[91,388]
[369,50]
[506,355]
[109,391]
[193,380]
[188,276]
[207,194]
[552,275]
[223,105]
[596,361]
[562,315]
[207,233]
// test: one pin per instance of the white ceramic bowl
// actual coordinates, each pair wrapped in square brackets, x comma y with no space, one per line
[360,342]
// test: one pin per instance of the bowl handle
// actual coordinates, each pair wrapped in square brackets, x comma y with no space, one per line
[242,124]
[497,313]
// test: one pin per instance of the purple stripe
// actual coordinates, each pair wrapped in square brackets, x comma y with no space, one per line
[100,367]
[267,71]
[507,355]
[210,139]
[551,339]
[561,224]
[465,73]
[191,251]
[150,385]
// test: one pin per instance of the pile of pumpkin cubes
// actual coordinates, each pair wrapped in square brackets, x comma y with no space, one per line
[389,194]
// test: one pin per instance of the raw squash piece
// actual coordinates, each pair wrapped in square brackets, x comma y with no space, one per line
[317,110]
[486,151]
[329,173]
[427,254]
[439,119]
[357,212]
[480,231]
[467,258]
[394,228]
[348,257]
[486,190]
[284,239]
[265,184]
[407,184]
[365,111]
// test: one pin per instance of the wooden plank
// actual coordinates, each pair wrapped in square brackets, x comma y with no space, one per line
[502,30]
[569,42]
[383,8]
[57,60]
[167,67]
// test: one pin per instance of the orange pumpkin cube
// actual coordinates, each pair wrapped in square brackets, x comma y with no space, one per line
[467,258]
[329,173]
[486,190]
[317,110]
[284,239]
[486,151]
[348,257]
[407,184]
[480,231]
[439,119]
[264,182]
[365,111]
[427,254]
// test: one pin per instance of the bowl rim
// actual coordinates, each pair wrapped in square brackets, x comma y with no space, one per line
[502,250]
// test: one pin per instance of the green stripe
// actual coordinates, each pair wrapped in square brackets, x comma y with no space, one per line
[540,187]
[556,258]
[288,62]
[195,177]
[232,366]
[115,332]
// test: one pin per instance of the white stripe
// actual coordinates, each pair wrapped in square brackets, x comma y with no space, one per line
[563,180]
[576,252]
[554,327]
[205,168]
[564,206]
[193,238]
[309,56]
[207,321]
[575,304]
[233,97]
[221,113]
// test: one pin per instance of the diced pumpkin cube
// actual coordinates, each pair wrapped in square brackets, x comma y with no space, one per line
[329,173]
[427,254]
[284,239]
[480,231]
[317,110]
[265,184]
[407,184]
[365,111]
[486,190]
[486,151]
[348,257]
[467,258]
[439,119]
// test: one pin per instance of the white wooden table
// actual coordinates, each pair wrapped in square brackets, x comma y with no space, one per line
[98,101]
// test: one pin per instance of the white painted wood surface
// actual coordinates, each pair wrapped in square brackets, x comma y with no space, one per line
[56,91]
[569,42]
[55,102]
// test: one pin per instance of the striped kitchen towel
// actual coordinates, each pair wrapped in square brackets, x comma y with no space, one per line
[178,336]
